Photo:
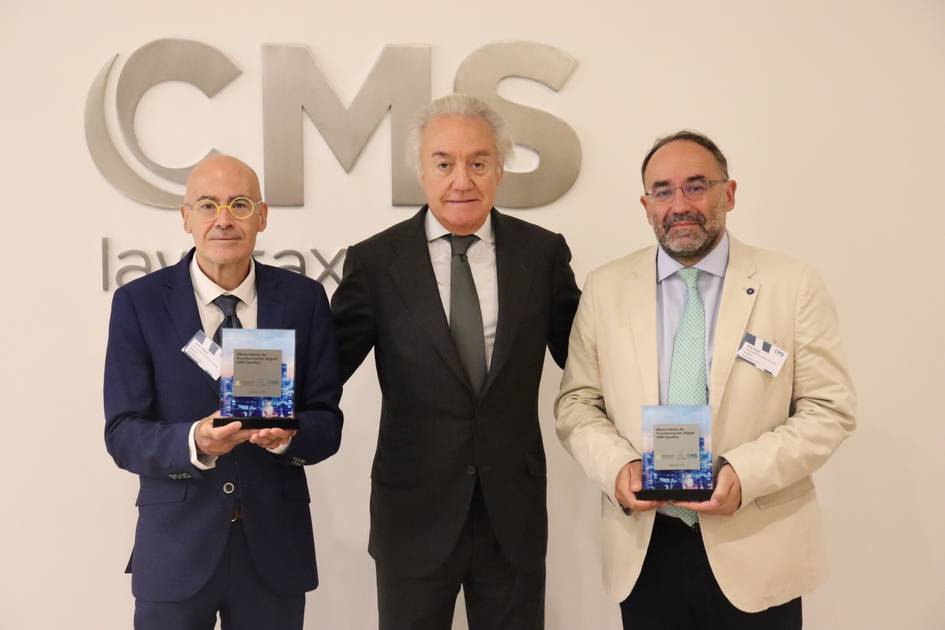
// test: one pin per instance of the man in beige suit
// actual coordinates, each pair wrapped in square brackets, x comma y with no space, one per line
[743,558]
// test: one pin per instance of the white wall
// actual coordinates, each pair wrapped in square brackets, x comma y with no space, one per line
[833,118]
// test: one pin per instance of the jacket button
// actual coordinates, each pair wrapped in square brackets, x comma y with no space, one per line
[471,470]
[228,488]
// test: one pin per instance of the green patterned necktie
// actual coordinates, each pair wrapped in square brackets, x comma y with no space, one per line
[687,375]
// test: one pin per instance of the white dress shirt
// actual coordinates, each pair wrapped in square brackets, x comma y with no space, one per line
[481,257]
[205,292]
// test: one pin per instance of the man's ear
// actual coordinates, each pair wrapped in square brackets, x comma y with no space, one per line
[263,210]
[730,187]
[644,200]
[184,212]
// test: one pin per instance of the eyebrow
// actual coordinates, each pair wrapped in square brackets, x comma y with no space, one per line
[479,153]
[691,178]
[216,200]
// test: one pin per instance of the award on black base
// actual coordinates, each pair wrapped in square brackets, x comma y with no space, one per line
[677,453]
[257,379]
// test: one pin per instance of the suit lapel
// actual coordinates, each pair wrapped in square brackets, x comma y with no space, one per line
[738,300]
[641,289]
[514,278]
[412,273]
[270,302]
[181,306]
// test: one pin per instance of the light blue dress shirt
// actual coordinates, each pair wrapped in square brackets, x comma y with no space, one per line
[671,300]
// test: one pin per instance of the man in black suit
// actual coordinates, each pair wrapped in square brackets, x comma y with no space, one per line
[459,303]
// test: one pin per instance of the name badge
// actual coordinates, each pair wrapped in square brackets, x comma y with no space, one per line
[763,355]
[205,353]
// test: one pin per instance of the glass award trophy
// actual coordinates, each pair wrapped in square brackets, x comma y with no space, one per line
[677,453]
[257,379]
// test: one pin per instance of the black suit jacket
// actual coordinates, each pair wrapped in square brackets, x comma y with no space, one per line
[436,436]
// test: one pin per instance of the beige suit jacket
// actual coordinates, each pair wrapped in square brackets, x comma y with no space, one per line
[774,431]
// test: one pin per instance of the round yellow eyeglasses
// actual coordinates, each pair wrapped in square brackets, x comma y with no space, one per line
[240,208]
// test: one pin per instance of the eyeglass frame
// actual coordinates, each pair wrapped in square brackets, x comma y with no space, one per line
[698,180]
[228,206]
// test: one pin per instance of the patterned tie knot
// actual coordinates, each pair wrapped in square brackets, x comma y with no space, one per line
[689,276]
[227,304]
[460,244]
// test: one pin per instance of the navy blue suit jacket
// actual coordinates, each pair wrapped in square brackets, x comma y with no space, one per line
[154,393]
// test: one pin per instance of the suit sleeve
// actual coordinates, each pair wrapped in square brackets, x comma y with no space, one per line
[583,426]
[564,302]
[823,403]
[320,418]
[136,440]
[354,317]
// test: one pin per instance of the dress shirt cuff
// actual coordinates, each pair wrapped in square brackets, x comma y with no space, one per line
[200,462]
[279,450]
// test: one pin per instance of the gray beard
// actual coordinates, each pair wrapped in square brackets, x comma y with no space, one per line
[696,251]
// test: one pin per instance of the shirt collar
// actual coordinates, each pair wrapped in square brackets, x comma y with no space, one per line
[207,290]
[435,229]
[714,262]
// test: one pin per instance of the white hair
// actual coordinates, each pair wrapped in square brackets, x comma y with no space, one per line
[458,105]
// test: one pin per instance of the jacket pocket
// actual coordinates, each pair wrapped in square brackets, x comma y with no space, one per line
[536,464]
[296,488]
[394,436]
[794,491]
[152,492]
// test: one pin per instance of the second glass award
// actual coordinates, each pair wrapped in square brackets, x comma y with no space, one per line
[677,453]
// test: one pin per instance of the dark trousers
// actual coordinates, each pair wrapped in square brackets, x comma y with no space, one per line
[498,596]
[235,590]
[677,591]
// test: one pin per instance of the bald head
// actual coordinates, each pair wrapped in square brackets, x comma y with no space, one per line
[224,242]
[220,169]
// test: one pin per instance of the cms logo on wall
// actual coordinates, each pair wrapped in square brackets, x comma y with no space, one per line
[293,86]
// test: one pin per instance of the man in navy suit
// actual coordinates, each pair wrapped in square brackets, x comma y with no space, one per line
[223,513]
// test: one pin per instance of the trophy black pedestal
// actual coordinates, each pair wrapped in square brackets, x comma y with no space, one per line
[259,422]
[674,495]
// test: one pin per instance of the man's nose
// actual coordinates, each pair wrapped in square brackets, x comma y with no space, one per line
[461,179]
[680,202]
[224,218]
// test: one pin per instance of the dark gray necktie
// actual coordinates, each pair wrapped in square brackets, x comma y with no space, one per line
[227,304]
[465,314]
